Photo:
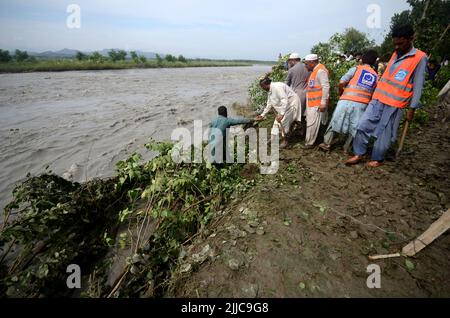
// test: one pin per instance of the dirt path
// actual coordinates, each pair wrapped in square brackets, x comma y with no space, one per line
[311,237]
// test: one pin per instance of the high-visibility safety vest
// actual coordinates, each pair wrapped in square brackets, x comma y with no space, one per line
[314,93]
[362,85]
[394,88]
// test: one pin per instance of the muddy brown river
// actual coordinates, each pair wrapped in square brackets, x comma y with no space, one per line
[84,122]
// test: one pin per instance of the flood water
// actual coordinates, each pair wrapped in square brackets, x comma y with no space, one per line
[87,121]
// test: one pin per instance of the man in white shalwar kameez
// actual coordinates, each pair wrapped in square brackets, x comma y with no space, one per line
[286,103]
[317,98]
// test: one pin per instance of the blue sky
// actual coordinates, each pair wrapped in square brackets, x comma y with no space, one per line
[229,29]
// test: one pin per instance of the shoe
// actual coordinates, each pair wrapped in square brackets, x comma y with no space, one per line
[375,164]
[325,147]
[354,160]
[284,145]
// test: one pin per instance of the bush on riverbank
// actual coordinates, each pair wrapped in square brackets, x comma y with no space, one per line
[58,223]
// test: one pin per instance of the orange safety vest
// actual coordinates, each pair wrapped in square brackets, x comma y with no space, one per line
[314,93]
[394,88]
[361,86]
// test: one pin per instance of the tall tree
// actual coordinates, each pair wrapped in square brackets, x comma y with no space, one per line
[351,41]
[134,56]
[20,56]
[430,19]
[5,56]
[80,56]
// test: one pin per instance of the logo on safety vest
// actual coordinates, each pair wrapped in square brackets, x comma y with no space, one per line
[401,75]
[367,80]
[311,83]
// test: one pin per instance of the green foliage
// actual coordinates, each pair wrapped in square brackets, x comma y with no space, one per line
[5,57]
[159,60]
[134,56]
[59,223]
[80,56]
[56,223]
[430,21]
[429,94]
[116,56]
[442,77]
[182,59]
[324,50]
[20,56]
[351,41]
[97,57]
[170,58]
[142,59]
[138,59]
[99,62]
[182,199]
[430,25]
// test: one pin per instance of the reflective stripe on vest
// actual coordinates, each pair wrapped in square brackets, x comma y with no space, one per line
[361,86]
[394,89]
[314,93]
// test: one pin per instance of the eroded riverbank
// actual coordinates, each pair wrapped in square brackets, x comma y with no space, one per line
[87,121]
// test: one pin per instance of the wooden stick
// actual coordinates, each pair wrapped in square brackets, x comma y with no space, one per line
[378,257]
[402,140]
[435,230]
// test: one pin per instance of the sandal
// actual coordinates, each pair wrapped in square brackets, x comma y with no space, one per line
[375,164]
[325,147]
[354,160]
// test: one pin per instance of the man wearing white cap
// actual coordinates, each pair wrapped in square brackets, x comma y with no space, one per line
[297,79]
[317,98]
[286,104]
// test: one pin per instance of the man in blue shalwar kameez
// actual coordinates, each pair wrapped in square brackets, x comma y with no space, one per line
[400,87]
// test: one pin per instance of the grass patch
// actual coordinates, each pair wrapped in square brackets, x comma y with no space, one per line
[74,65]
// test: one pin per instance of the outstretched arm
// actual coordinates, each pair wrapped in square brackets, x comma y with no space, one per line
[267,109]
[238,121]
[346,79]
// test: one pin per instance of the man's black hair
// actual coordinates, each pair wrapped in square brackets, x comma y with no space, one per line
[403,31]
[370,57]
[223,111]
[265,81]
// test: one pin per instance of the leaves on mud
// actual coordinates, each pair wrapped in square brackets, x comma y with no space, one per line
[410,265]
[322,207]
[287,221]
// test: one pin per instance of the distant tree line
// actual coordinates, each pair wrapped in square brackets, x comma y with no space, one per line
[18,56]
[113,55]
[121,55]
[170,58]
[97,57]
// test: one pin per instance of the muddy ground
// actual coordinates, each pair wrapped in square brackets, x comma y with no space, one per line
[308,231]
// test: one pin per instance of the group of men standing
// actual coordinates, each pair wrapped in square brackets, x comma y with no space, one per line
[369,106]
